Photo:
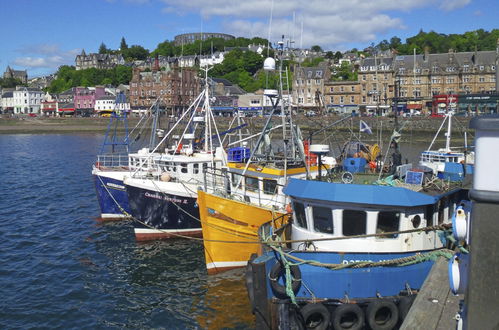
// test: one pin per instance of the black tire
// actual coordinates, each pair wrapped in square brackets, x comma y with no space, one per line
[382,315]
[348,316]
[315,316]
[405,304]
[277,272]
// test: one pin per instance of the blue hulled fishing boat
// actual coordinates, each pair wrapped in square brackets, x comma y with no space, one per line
[354,254]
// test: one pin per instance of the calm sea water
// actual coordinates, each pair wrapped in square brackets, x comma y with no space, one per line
[60,268]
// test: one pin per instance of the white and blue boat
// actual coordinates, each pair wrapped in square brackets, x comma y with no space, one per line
[112,163]
[448,162]
[353,256]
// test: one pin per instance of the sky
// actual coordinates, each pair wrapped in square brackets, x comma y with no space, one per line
[41,35]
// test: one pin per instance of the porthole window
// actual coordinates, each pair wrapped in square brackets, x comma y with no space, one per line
[416,221]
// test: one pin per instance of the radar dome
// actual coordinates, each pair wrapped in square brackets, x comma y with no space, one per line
[269,64]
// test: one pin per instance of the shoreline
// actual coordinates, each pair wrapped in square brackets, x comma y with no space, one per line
[420,129]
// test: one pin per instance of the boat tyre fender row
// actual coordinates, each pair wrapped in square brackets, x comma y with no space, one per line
[348,316]
[315,316]
[278,271]
[382,314]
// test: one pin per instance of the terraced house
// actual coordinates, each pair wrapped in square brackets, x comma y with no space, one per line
[175,88]
[414,79]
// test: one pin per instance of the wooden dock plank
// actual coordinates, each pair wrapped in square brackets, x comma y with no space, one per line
[435,306]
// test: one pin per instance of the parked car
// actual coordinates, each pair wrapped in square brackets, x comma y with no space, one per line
[32,114]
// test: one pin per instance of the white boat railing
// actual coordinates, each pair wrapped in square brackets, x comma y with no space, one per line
[112,160]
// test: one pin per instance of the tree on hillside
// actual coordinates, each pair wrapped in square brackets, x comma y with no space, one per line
[316,48]
[103,49]
[123,44]
[10,82]
[135,52]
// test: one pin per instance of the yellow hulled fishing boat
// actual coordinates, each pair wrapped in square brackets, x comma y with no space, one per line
[230,230]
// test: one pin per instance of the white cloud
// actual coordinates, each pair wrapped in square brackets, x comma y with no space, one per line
[325,22]
[44,56]
[449,5]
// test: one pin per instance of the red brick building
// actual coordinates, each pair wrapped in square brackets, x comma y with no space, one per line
[176,88]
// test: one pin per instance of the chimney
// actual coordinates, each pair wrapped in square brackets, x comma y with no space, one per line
[156,64]
[426,53]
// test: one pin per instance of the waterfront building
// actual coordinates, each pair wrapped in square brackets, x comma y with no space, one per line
[412,80]
[26,100]
[84,98]
[7,102]
[22,75]
[174,87]
[343,97]
[49,106]
[189,38]
[308,86]
[98,61]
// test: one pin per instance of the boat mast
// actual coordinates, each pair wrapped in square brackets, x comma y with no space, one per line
[448,134]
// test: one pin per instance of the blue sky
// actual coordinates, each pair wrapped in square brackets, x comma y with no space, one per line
[41,35]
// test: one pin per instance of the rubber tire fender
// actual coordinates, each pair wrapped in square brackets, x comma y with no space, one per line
[277,272]
[374,307]
[316,310]
[405,304]
[345,309]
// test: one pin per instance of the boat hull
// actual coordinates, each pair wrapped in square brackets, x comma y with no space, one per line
[160,215]
[112,195]
[224,221]
[354,283]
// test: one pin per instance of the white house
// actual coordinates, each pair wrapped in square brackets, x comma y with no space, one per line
[27,100]
[210,60]
[107,104]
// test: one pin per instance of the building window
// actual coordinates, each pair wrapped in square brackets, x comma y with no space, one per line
[342,99]
[364,77]
[353,88]
[331,99]
[352,99]
[331,89]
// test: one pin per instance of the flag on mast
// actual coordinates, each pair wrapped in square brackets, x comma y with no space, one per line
[365,128]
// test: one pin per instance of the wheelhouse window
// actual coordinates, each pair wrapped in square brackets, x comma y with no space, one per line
[251,183]
[323,219]
[183,168]
[299,214]
[354,222]
[388,221]
[195,168]
[270,187]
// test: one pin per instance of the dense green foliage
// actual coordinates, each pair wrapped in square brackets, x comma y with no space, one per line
[209,46]
[10,82]
[345,72]
[245,68]
[441,43]
[68,76]
[312,62]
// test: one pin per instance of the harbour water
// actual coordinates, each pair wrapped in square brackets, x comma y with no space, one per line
[60,268]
